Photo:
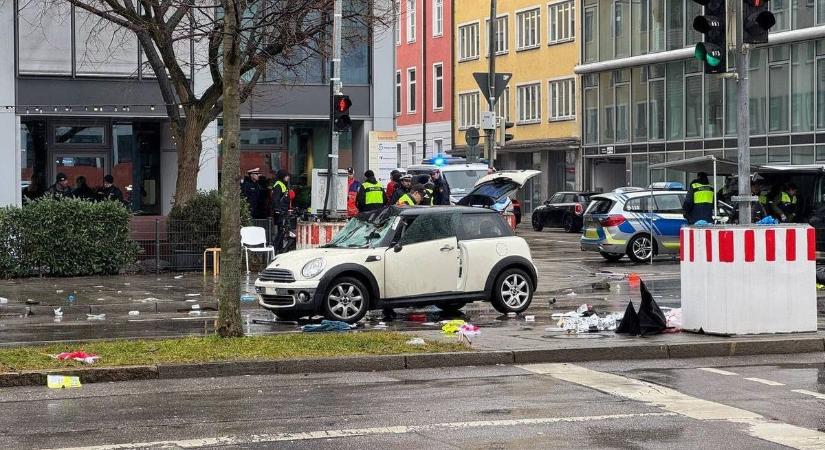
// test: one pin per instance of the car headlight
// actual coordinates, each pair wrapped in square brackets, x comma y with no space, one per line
[313,268]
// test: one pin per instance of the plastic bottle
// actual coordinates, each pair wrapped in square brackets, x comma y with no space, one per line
[72,297]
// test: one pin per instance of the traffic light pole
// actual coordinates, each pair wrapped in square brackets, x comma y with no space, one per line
[491,79]
[743,118]
[334,89]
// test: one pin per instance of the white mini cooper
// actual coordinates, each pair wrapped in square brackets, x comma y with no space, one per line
[446,256]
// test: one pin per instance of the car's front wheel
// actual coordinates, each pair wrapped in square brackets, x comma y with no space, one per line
[538,225]
[641,248]
[346,299]
[512,292]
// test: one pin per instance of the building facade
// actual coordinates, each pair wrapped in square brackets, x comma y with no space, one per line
[73,103]
[423,73]
[537,43]
[646,101]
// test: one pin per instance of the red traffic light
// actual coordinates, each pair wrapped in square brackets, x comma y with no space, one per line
[342,103]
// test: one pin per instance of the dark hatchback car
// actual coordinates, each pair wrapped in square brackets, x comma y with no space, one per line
[564,209]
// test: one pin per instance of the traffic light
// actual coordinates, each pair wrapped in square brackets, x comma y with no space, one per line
[340,108]
[713,51]
[503,135]
[756,21]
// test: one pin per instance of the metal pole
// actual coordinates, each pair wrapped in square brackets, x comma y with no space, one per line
[334,88]
[491,81]
[743,120]
[157,245]
[715,191]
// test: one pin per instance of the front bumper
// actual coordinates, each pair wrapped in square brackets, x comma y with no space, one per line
[296,296]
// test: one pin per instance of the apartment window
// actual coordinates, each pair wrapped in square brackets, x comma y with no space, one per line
[468,109]
[500,38]
[438,86]
[563,99]
[528,29]
[561,22]
[397,92]
[411,83]
[397,22]
[438,146]
[411,147]
[398,155]
[468,42]
[411,20]
[503,105]
[438,17]
[528,102]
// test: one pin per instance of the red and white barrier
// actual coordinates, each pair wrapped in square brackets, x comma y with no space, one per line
[748,279]
[314,234]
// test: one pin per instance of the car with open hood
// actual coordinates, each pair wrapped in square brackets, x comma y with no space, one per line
[446,256]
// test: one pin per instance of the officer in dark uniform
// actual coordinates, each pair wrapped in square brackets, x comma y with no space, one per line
[109,191]
[403,187]
[252,191]
[441,189]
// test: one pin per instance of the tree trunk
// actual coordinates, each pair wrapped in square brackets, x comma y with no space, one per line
[229,319]
[189,145]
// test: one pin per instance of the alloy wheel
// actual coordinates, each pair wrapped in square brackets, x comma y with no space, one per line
[515,291]
[345,301]
[642,247]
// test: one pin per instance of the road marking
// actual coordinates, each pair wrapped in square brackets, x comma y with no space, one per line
[354,432]
[718,371]
[683,404]
[764,381]
[811,393]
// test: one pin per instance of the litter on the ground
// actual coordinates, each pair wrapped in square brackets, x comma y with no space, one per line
[571,294]
[178,277]
[416,341]
[59,291]
[32,302]
[62,382]
[584,320]
[674,320]
[649,320]
[529,318]
[196,307]
[134,313]
[452,326]
[3,300]
[58,312]
[85,358]
[193,295]
[327,325]
[380,326]
[195,313]
[469,329]
[247,298]
[511,314]
[95,316]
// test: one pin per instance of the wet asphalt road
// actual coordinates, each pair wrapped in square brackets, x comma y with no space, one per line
[164,301]
[732,403]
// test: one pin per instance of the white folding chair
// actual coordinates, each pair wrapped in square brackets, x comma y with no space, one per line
[253,239]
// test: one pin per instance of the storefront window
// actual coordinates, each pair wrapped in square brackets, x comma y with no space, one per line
[640,11]
[262,136]
[123,140]
[714,110]
[675,100]
[33,156]
[80,134]
[802,86]
[693,106]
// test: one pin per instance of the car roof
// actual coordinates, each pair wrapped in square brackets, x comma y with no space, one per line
[448,167]
[635,194]
[578,192]
[425,210]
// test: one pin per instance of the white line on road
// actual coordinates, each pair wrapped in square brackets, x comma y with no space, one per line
[811,393]
[764,381]
[355,432]
[683,404]
[718,371]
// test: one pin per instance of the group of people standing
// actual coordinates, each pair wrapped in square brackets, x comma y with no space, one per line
[62,189]
[403,189]
[267,200]
[778,201]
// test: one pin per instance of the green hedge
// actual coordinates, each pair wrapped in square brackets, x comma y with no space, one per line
[65,238]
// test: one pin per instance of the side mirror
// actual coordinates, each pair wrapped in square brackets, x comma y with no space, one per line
[397,248]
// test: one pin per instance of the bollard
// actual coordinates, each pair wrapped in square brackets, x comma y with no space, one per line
[157,246]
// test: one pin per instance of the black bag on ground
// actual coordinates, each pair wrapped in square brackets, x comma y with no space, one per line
[630,322]
[651,318]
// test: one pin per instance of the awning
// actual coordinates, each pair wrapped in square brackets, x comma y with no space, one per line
[702,164]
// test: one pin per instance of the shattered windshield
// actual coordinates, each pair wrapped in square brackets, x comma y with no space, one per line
[359,233]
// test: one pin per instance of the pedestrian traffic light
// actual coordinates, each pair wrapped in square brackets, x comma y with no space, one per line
[340,109]
[503,135]
[756,21]
[713,51]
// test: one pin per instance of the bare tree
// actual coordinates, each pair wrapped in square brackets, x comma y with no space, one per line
[271,36]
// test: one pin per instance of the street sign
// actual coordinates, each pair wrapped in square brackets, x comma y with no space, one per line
[471,136]
[501,82]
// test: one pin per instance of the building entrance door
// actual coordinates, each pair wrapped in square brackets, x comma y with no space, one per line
[608,173]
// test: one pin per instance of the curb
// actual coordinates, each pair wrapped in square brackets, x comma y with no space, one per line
[380,363]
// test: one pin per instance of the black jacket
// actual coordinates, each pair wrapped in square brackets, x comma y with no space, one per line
[696,212]
[57,193]
[110,193]
[252,193]
[84,193]
[280,198]
[360,198]
[398,193]
[441,191]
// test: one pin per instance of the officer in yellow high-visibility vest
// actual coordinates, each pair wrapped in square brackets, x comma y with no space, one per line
[784,204]
[698,203]
[412,198]
[371,196]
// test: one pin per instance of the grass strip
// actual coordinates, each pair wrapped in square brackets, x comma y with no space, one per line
[212,349]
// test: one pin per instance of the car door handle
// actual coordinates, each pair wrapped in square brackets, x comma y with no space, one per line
[447,248]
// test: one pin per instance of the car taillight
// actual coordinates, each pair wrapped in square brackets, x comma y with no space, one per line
[612,221]
[579,209]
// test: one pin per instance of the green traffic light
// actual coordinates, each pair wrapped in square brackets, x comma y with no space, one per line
[699,52]
[713,61]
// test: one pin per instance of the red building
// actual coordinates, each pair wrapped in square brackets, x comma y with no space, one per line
[423,74]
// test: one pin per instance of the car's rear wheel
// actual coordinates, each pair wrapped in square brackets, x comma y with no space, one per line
[641,248]
[346,299]
[612,257]
[538,225]
[569,224]
[512,291]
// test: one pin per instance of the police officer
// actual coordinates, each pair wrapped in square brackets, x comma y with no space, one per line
[784,204]
[371,196]
[699,201]
[429,189]
[252,192]
[441,189]
[109,191]
[757,208]
[280,206]
[403,187]
[414,197]
[60,189]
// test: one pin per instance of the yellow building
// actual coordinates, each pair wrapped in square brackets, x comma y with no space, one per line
[537,42]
